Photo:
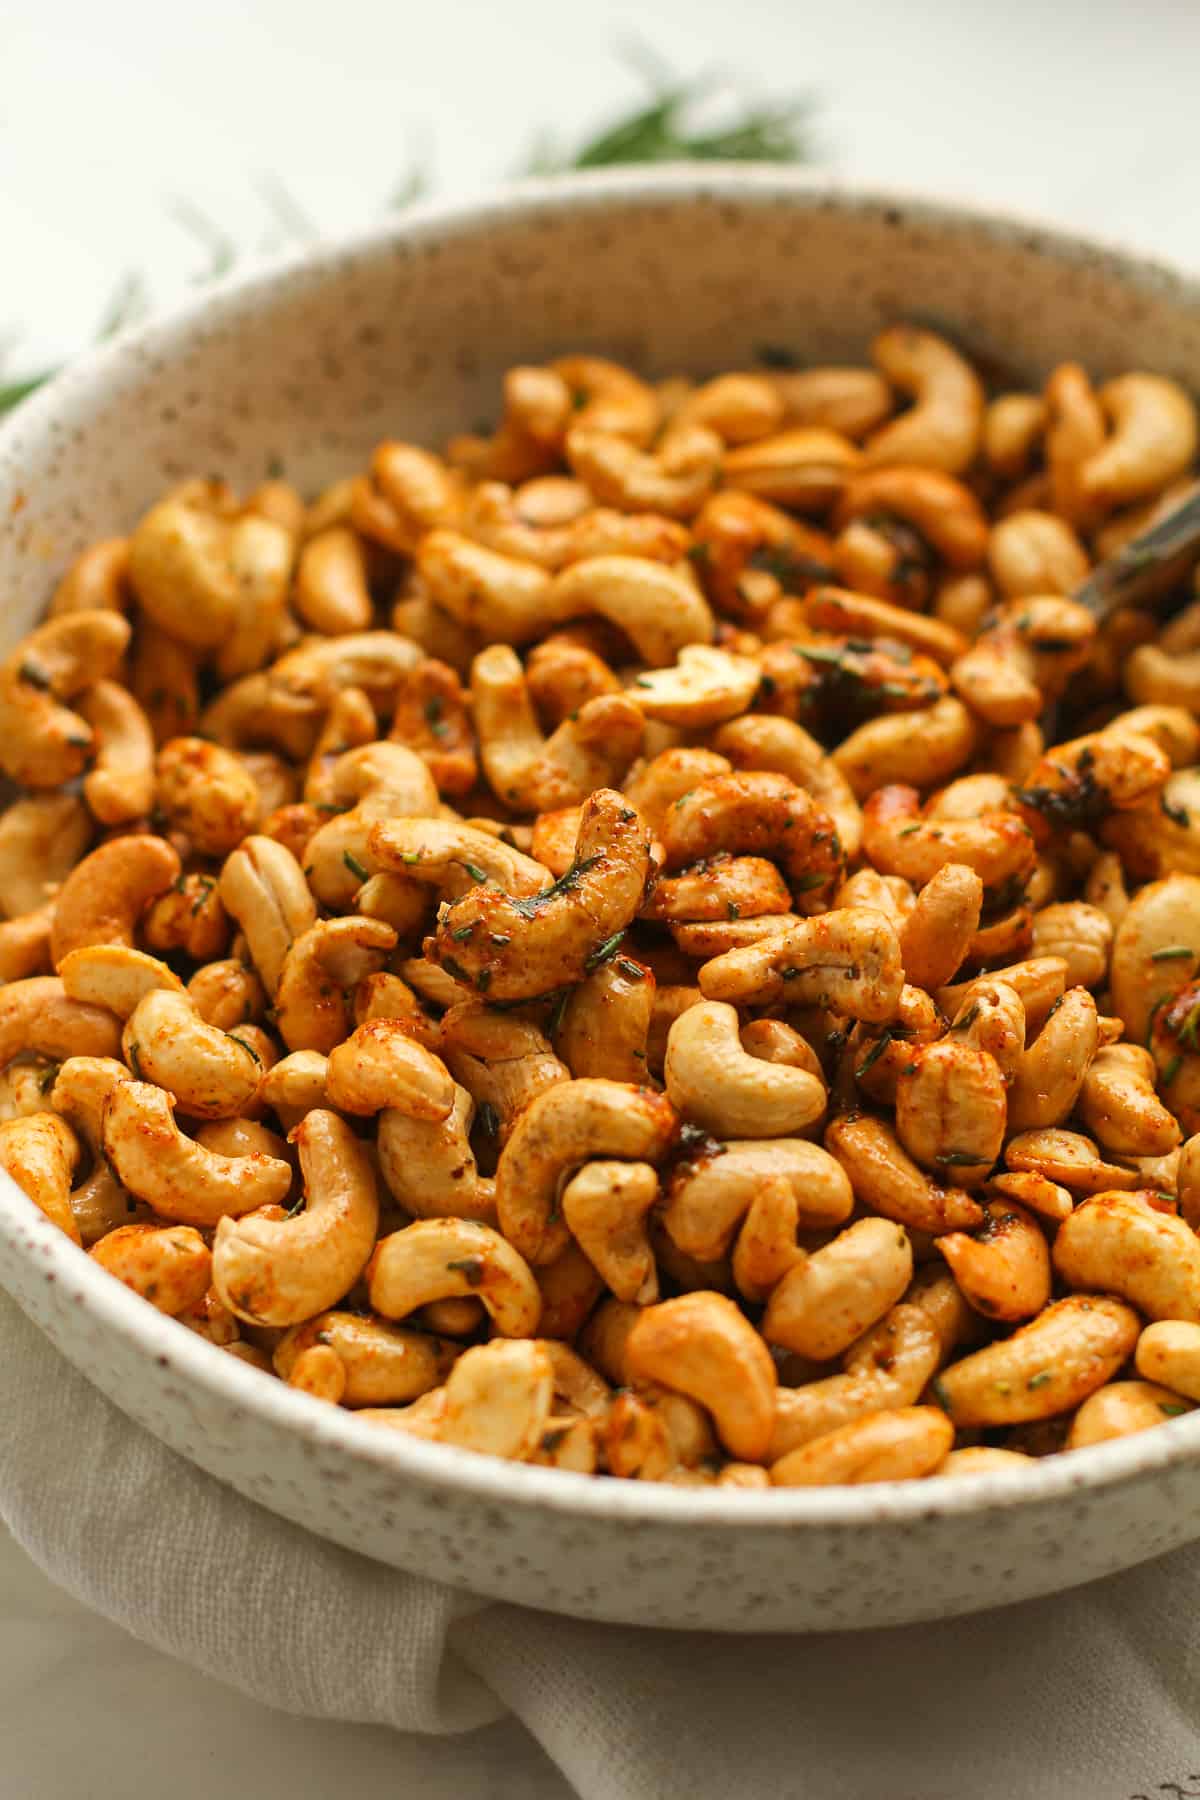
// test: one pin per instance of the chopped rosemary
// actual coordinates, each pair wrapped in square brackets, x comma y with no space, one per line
[354,866]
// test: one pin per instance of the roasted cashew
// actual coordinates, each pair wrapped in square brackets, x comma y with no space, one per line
[661,610]
[1003,1268]
[943,512]
[705,686]
[1081,782]
[372,782]
[430,716]
[805,466]
[98,578]
[1119,1106]
[212,1074]
[847,614]
[847,960]
[437,1258]
[380,1065]
[1120,1408]
[885,1369]
[717,1084]
[533,773]
[40,1152]
[757,814]
[331,592]
[204,791]
[828,1300]
[1049,1366]
[1024,659]
[571,1123]
[42,837]
[850,400]
[675,478]
[503,1060]
[453,857]
[1168,1351]
[928,745]
[1153,440]
[702,1346]
[758,741]
[498,516]
[1067,1159]
[429,1166]
[998,845]
[498,1399]
[943,426]
[657,1435]
[951,1110]
[1035,553]
[213,581]
[103,897]
[1148,969]
[37,1015]
[906,1444]
[113,976]
[282,1271]
[607,1020]
[168,1266]
[512,947]
[312,1009]
[382,1364]
[750,553]
[42,742]
[605,1206]
[1012,430]
[935,936]
[709,1195]
[1056,1066]
[263,887]
[1116,1243]
[178,1177]
[885,1178]
[227,993]
[294,1086]
[1080,933]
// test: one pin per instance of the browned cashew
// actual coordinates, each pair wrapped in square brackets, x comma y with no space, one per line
[709,1196]
[1120,1244]
[571,1123]
[323,965]
[436,1258]
[904,1445]
[37,1014]
[605,1205]
[1048,1366]
[381,1364]
[380,1065]
[885,1369]
[42,837]
[826,1301]
[168,1266]
[847,960]
[102,899]
[937,933]
[41,1152]
[503,1060]
[758,814]
[175,1175]
[282,1271]
[42,742]
[212,1074]
[886,1179]
[1003,1269]
[607,1021]
[530,772]
[701,1345]
[510,947]
[943,427]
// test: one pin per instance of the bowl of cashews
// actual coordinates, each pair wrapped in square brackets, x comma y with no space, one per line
[564,1021]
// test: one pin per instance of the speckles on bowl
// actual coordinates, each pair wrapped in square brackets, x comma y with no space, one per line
[406,332]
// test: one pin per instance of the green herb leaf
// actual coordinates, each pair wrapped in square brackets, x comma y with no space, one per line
[1171,953]
[603,951]
[354,866]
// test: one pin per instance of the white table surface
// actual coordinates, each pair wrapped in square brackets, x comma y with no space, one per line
[1083,110]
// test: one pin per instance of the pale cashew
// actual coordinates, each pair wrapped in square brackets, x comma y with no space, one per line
[373,781]
[1120,1408]
[831,1298]
[701,1345]
[381,1065]
[1003,1269]
[453,857]
[511,947]
[312,1009]
[739,408]
[927,745]
[942,429]
[42,742]
[705,686]
[262,885]
[983,1459]
[605,1206]
[1153,440]
[429,1166]
[42,837]
[1168,1351]
[533,773]
[500,517]
[1148,967]
[713,1081]
[885,1178]
[114,976]
[1080,933]
[180,1179]
[571,1123]
[212,1074]
[1055,1069]
[103,897]
[212,581]
[906,1444]
[38,1015]
[847,960]
[709,1195]
[436,1258]
[675,479]
[1049,1366]
[98,577]
[382,1364]
[294,1086]
[40,1152]
[661,610]
[805,466]
[1119,1106]
[503,1060]
[282,1271]
[1119,1244]
[1035,553]
[935,936]
[498,1399]
[168,1266]
[885,1369]
[606,1023]
[331,592]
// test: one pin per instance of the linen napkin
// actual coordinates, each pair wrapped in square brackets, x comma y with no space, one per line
[1093,1695]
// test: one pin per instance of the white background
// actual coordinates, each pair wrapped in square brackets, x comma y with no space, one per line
[111,111]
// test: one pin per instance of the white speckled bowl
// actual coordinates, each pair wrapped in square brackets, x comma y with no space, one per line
[405,332]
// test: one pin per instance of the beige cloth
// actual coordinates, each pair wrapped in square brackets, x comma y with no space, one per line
[1091,1696]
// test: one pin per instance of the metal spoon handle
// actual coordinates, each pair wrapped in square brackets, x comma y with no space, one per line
[1155,559]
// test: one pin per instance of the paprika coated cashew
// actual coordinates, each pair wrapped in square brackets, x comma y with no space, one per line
[169,1266]
[605,1206]
[885,1369]
[533,773]
[701,1345]
[283,1271]
[1080,933]
[387,781]
[1168,1351]
[1066,1158]
[41,1152]
[805,467]
[715,1083]
[1003,1268]
[1035,553]
[499,599]
[826,1301]
[119,786]
[38,1015]
[513,947]
[607,1021]
[1118,1104]
[1047,1367]
[763,741]
[847,960]
[1012,431]
[98,578]
[209,1072]
[1116,1243]
[503,1060]
[997,845]
[382,1364]
[429,1166]
[381,1065]
[1120,1408]
[1056,1066]
[434,1259]
[25,944]
[674,479]
[331,591]
[943,512]
[935,936]
[886,1179]
[172,1173]
[942,428]
[498,1398]
[904,1445]
[846,399]
[757,814]
[453,857]
[1024,658]
[323,965]
[104,896]
[43,743]
[1148,969]
[568,1124]
[42,837]
[709,1196]
[951,1110]
[928,745]
[206,577]
[1152,442]
[845,613]
[430,716]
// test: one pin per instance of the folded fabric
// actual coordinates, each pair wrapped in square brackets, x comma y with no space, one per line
[1093,1695]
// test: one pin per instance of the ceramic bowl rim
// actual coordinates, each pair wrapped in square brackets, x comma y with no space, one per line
[222,1377]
